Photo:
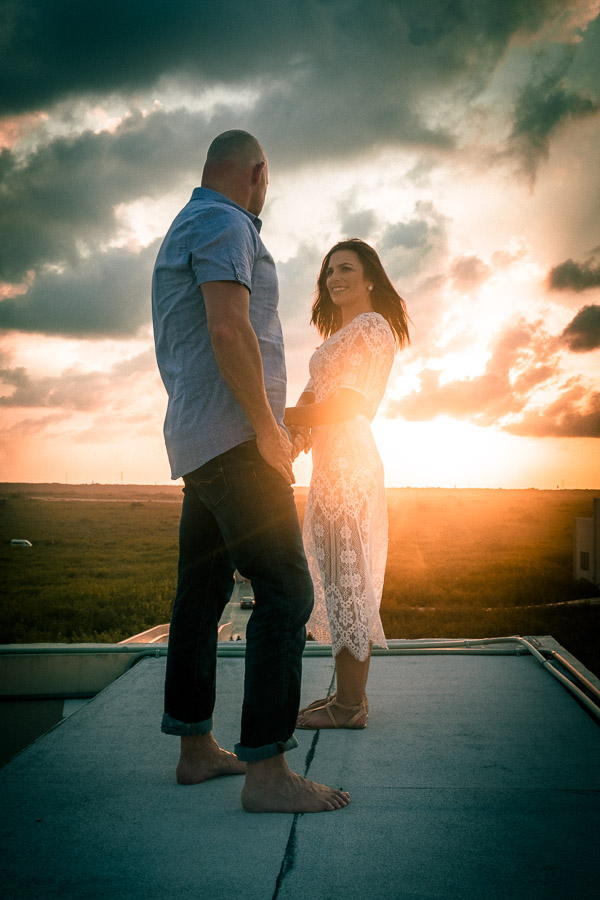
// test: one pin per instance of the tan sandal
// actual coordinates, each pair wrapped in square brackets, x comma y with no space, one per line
[316,704]
[353,722]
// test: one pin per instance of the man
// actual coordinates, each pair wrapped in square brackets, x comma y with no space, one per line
[220,353]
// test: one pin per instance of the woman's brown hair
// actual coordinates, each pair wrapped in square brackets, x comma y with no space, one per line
[385,299]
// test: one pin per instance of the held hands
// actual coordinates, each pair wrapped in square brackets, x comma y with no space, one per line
[301,439]
[301,434]
[276,449]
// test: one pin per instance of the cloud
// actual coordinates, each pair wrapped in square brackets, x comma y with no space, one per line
[104,294]
[76,390]
[468,272]
[523,357]
[541,108]
[297,279]
[344,85]
[576,413]
[60,49]
[409,235]
[482,399]
[583,332]
[65,193]
[574,276]
[345,79]
[404,245]
[357,223]
[12,436]
[323,85]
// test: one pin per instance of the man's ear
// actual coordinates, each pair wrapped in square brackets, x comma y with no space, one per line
[257,172]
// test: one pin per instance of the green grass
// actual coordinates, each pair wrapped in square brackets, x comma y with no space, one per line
[461,563]
[98,571]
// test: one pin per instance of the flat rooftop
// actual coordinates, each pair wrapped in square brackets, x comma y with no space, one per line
[478,777]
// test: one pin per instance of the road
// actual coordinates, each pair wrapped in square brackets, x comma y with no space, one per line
[234,614]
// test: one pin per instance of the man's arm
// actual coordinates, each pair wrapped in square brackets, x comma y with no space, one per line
[237,352]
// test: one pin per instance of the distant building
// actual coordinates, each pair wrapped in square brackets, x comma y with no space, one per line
[586,547]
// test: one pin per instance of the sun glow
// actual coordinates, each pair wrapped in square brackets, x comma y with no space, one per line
[450,453]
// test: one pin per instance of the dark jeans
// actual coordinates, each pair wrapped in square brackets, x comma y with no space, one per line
[239,513]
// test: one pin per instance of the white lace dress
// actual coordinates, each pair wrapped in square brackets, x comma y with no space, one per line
[345,523]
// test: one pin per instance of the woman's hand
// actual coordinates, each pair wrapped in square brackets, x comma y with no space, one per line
[301,439]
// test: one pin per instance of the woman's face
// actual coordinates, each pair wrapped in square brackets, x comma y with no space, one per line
[346,280]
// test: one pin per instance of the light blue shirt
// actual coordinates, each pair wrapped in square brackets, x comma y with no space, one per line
[212,239]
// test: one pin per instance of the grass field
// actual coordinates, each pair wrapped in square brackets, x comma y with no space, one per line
[461,563]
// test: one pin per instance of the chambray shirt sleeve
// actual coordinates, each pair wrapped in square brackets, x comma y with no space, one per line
[224,247]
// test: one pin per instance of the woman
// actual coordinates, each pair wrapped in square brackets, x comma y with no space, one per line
[362,318]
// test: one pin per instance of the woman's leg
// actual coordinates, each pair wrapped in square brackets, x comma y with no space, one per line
[351,677]
[350,697]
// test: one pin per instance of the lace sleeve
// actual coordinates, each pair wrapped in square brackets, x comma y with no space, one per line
[368,358]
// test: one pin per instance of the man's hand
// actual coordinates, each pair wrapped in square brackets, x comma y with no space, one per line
[276,449]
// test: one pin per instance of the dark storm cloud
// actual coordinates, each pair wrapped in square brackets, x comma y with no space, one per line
[583,332]
[542,107]
[105,294]
[575,276]
[67,190]
[55,49]
[332,81]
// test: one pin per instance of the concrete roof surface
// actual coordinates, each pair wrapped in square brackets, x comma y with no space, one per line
[477,777]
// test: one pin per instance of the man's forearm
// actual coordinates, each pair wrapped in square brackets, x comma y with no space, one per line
[237,352]
[238,357]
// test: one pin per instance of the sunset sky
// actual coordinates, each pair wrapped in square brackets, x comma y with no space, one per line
[460,137]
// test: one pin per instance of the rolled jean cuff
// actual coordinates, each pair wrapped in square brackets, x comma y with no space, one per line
[184,729]
[255,754]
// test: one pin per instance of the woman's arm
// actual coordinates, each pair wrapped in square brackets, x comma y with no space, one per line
[301,438]
[345,405]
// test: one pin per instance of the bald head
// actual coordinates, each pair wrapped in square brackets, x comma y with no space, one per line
[234,147]
[236,166]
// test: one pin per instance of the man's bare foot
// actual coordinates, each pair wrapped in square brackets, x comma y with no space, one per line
[201,758]
[271,787]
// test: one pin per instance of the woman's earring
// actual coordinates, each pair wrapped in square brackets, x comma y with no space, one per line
[370,287]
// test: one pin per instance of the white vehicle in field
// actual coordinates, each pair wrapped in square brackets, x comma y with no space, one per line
[20,542]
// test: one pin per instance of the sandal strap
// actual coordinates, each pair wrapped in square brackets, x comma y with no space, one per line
[348,708]
[357,710]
